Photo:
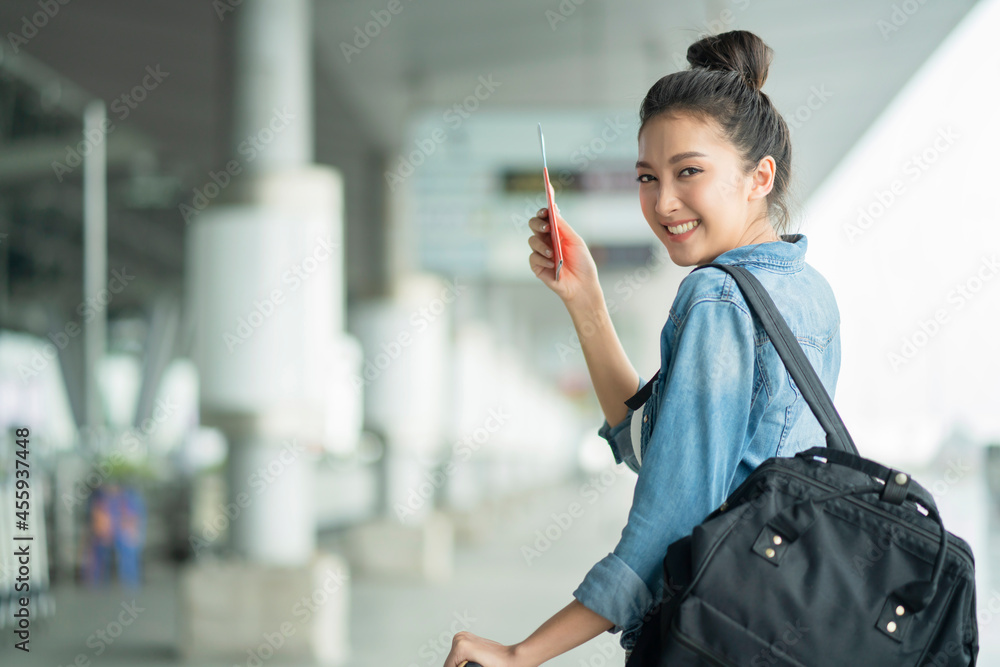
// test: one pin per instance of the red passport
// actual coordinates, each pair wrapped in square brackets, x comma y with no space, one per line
[557,255]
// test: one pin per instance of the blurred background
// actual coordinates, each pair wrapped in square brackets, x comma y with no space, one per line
[290,393]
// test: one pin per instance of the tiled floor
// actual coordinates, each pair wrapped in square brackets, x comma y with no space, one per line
[495,591]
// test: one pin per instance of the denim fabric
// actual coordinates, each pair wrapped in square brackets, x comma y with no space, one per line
[722,404]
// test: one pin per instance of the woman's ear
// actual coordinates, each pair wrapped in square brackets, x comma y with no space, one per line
[763,179]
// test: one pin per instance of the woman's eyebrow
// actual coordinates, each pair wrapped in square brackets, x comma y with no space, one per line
[673,160]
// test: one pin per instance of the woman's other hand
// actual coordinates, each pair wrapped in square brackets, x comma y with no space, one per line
[467,647]
[578,277]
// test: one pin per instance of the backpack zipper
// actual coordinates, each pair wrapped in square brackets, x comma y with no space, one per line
[962,549]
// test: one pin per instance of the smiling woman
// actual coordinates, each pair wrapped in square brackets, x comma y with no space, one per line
[700,203]
[714,154]
[713,167]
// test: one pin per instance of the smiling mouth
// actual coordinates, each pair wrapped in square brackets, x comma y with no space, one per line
[687,226]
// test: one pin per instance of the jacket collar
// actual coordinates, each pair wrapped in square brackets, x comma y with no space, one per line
[785,256]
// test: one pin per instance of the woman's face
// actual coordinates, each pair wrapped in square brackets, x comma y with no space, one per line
[687,171]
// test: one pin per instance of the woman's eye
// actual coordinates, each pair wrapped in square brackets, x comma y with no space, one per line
[693,170]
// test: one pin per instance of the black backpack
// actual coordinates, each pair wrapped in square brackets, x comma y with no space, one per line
[824,558]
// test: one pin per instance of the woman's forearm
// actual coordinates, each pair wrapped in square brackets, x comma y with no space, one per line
[611,372]
[573,625]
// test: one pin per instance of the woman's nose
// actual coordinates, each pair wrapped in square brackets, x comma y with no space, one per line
[666,202]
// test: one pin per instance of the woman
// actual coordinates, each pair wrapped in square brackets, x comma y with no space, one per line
[713,171]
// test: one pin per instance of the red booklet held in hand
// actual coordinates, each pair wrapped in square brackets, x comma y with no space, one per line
[557,256]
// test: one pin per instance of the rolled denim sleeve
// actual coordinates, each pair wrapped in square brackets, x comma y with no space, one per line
[619,436]
[692,455]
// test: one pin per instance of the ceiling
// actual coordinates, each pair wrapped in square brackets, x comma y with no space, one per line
[554,54]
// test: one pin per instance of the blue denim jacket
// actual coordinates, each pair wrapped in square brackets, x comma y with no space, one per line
[719,407]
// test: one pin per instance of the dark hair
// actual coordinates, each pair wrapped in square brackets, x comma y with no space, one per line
[724,84]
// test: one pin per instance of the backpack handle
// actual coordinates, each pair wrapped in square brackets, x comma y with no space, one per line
[792,356]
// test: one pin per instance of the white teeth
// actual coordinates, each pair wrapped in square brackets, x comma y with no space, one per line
[680,229]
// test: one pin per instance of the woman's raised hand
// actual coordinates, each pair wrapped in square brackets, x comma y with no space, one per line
[578,277]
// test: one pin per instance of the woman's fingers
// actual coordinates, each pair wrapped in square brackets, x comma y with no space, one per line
[539,223]
[538,245]
[541,258]
[544,269]
[539,263]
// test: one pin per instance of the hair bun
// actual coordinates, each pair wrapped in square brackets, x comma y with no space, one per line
[738,51]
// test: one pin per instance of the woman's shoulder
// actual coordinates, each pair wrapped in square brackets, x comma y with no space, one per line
[704,285]
[803,289]
[708,290]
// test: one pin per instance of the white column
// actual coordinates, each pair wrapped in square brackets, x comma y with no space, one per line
[95,262]
[266,282]
[273,74]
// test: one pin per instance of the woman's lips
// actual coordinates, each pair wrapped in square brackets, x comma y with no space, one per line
[683,235]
